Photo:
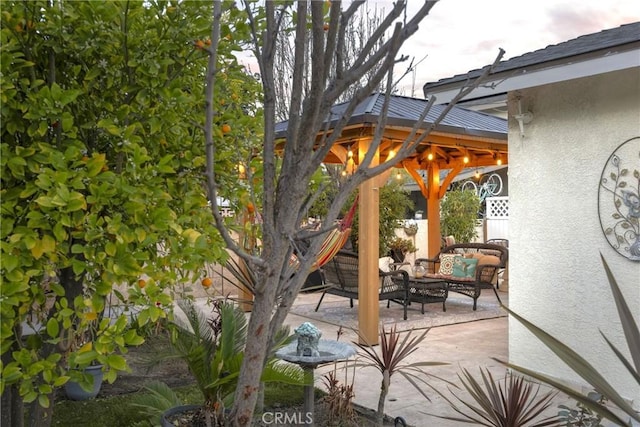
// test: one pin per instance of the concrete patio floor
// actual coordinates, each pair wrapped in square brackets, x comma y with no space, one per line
[469,345]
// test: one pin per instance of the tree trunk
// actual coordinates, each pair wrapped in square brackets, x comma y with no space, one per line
[12,403]
[39,416]
[384,389]
[247,392]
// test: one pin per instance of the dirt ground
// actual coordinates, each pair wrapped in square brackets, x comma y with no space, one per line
[173,372]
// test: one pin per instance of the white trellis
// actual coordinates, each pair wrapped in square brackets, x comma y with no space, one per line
[497,207]
[497,218]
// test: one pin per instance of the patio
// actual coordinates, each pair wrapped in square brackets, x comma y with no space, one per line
[460,337]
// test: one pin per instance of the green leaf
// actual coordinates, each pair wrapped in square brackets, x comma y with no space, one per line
[629,326]
[53,328]
[61,380]
[117,362]
[579,365]
[11,374]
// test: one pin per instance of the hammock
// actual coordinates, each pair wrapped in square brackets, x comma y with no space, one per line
[333,242]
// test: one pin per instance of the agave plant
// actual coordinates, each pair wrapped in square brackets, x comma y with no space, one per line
[392,360]
[583,368]
[513,403]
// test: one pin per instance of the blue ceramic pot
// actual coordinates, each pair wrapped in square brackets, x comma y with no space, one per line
[75,392]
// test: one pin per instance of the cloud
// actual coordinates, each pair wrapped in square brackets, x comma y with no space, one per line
[569,23]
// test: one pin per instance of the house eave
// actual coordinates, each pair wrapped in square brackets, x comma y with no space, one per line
[524,78]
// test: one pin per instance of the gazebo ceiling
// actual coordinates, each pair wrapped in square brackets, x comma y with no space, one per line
[478,137]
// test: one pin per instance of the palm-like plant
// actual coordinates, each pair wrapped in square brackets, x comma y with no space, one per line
[583,368]
[213,349]
[392,360]
[510,404]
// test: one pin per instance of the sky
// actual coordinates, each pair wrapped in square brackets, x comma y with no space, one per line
[463,35]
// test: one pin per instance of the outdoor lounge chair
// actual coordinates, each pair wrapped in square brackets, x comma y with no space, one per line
[341,278]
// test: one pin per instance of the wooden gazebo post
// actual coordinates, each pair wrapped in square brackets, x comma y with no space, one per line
[368,242]
[433,209]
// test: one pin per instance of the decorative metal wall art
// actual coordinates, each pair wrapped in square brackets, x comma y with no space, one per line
[619,199]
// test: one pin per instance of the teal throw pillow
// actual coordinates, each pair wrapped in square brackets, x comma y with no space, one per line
[464,267]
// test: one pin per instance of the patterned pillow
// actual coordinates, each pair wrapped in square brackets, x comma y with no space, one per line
[464,267]
[446,263]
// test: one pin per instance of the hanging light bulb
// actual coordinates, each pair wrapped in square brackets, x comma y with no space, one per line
[391,155]
[398,176]
[429,153]
[350,153]
[477,174]
[465,159]
[499,162]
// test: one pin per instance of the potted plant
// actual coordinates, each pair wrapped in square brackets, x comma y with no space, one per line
[410,228]
[92,354]
[85,371]
[399,248]
[213,348]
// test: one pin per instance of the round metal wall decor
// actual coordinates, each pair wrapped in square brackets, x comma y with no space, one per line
[619,199]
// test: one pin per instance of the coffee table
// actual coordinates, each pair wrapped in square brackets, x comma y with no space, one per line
[426,290]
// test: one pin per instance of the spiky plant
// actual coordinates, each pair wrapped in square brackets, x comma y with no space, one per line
[393,359]
[158,398]
[213,348]
[583,368]
[512,403]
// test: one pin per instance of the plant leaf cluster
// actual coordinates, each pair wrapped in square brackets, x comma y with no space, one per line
[102,172]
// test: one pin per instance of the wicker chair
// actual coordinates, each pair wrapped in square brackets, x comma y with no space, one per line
[341,278]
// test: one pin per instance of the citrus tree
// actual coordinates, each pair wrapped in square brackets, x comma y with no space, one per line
[102,159]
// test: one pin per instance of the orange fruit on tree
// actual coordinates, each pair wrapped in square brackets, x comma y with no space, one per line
[207,282]
[226,128]
[142,283]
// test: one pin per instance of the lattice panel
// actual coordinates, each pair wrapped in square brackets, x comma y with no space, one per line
[497,207]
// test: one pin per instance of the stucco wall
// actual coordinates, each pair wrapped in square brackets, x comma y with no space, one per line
[557,278]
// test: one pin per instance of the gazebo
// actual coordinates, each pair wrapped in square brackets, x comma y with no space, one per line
[463,139]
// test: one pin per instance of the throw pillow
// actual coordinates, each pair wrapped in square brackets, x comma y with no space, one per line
[383,263]
[488,260]
[446,263]
[464,267]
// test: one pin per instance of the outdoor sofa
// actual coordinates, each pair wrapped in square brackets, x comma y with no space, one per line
[467,268]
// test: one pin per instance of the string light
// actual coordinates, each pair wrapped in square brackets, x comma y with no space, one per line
[429,153]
